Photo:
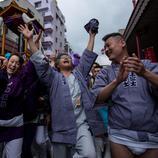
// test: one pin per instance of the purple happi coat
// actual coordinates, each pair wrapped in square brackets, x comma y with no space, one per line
[12,97]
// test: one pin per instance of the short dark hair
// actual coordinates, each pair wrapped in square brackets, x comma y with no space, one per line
[98,66]
[60,55]
[21,60]
[114,34]
[95,63]
[57,59]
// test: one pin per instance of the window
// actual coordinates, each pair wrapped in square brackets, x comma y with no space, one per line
[60,33]
[46,1]
[56,28]
[56,40]
[47,48]
[45,34]
[60,44]
[61,23]
[43,13]
[57,17]
[38,4]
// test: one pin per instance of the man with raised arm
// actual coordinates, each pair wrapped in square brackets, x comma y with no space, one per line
[69,98]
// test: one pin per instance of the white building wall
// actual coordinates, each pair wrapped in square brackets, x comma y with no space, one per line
[54,24]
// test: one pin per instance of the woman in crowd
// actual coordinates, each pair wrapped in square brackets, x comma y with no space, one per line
[14,80]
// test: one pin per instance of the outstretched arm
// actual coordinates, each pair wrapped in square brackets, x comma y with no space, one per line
[43,69]
[88,57]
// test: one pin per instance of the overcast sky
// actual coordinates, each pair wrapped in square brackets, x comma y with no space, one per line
[112,15]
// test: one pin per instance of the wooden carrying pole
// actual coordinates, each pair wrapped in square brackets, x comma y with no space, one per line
[3,39]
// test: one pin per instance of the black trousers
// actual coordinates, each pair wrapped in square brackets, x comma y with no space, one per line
[29,134]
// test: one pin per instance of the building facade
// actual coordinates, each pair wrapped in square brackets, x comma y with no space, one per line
[141,30]
[54,25]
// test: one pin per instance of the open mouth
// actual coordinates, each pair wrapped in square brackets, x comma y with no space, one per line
[66,61]
[109,52]
[11,69]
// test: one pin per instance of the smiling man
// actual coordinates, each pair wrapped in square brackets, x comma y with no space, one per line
[133,117]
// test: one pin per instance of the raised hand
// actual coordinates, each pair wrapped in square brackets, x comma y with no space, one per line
[123,72]
[37,38]
[91,33]
[3,62]
[134,64]
[28,34]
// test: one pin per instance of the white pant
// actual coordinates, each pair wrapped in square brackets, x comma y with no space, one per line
[42,143]
[85,144]
[13,149]
[41,135]
[84,147]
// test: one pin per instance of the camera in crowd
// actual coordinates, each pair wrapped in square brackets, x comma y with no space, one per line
[92,25]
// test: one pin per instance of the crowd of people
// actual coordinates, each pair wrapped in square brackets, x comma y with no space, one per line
[66,109]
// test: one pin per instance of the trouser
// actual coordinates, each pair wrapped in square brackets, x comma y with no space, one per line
[62,150]
[42,151]
[1,149]
[42,146]
[41,135]
[13,148]
[29,134]
[84,147]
